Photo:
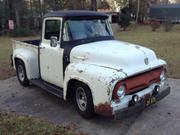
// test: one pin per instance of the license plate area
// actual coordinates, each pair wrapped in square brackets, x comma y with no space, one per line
[151,100]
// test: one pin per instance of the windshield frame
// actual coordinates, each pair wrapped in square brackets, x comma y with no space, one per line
[86,40]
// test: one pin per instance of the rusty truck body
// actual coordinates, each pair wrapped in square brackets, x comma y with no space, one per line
[78,58]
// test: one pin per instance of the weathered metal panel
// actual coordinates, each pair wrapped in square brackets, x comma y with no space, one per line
[29,55]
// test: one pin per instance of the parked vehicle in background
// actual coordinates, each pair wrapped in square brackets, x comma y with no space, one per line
[78,58]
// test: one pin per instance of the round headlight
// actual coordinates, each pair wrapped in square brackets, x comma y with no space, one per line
[135,98]
[163,76]
[156,90]
[121,91]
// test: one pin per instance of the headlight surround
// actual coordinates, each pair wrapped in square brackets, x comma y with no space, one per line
[119,91]
[163,75]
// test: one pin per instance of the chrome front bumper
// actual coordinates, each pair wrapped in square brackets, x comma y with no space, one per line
[123,108]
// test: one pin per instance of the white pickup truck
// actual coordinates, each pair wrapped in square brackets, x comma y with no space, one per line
[78,58]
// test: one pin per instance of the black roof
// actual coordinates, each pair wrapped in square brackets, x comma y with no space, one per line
[75,13]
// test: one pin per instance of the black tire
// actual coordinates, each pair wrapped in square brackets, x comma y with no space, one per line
[21,73]
[88,110]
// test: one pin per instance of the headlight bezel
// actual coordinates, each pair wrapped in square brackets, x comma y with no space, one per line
[119,91]
[163,75]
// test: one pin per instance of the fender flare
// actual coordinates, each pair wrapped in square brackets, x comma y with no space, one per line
[101,82]
[30,60]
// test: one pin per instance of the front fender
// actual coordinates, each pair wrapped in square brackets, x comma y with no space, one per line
[30,60]
[101,80]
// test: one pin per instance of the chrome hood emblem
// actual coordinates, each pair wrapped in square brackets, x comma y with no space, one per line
[146,61]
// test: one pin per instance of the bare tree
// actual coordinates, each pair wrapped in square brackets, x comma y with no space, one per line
[137,12]
[94,5]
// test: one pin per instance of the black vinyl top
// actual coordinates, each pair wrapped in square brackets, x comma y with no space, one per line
[76,14]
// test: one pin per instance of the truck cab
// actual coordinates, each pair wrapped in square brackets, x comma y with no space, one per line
[78,58]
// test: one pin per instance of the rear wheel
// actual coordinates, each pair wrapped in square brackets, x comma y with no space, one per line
[83,100]
[21,73]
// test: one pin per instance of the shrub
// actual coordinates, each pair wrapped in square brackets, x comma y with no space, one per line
[168,25]
[124,21]
[155,24]
[21,32]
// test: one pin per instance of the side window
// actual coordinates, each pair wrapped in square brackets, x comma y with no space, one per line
[52,28]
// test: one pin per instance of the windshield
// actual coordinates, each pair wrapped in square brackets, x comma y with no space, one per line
[84,29]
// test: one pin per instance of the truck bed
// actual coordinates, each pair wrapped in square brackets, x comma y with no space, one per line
[30,45]
[32,42]
[27,51]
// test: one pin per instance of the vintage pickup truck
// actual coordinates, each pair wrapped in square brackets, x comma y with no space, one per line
[78,58]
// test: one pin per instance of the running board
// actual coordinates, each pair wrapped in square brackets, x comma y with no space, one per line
[57,91]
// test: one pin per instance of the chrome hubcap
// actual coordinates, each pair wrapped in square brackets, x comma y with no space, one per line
[81,98]
[21,73]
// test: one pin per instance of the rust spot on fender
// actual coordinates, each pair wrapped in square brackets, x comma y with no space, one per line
[113,80]
[104,110]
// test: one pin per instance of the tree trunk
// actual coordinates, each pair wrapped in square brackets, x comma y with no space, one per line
[13,12]
[94,5]
[31,19]
[137,13]
[40,8]
[40,13]
[17,17]
[6,13]
[55,5]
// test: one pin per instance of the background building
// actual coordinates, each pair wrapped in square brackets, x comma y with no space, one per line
[165,11]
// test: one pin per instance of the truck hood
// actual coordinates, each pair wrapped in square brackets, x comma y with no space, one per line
[121,56]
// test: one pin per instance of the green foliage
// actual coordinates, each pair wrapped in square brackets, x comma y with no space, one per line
[143,10]
[29,13]
[155,24]
[124,21]
[104,5]
[121,3]
[21,32]
[167,25]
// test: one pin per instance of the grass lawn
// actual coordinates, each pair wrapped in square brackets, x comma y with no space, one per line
[165,44]
[13,124]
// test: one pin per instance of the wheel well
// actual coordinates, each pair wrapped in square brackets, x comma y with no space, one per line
[70,92]
[16,59]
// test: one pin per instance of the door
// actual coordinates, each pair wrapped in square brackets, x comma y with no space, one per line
[51,57]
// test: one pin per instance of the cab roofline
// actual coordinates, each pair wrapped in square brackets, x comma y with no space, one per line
[76,14]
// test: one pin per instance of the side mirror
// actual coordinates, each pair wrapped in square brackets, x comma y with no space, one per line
[53,41]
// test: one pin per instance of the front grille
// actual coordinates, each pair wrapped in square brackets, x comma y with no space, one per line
[142,81]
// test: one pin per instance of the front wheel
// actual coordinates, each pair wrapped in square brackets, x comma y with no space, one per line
[21,73]
[83,100]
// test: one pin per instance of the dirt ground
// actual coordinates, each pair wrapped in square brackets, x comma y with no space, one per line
[162,118]
[6,70]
